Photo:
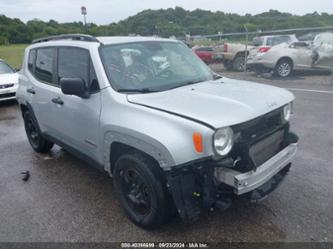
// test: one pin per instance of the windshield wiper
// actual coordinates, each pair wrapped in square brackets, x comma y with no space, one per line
[192,82]
[143,90]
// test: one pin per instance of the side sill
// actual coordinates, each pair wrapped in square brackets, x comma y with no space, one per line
[83,157]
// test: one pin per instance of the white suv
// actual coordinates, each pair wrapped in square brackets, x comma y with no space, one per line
[173,134]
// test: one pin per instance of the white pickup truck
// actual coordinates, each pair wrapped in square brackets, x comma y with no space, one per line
[234,53]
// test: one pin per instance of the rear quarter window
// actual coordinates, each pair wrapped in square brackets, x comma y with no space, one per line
[32,60]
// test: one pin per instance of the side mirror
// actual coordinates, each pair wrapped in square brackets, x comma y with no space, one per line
[74,86]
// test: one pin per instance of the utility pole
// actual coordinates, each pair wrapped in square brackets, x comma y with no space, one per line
[84,13]
[246,46]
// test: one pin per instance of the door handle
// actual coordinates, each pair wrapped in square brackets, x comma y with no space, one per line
[31,90]
[58,101]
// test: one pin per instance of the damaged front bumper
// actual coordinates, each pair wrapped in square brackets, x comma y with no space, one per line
[209,184]
[242,183]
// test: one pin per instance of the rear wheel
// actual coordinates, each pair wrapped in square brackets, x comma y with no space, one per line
[227,65]
[36,140]
[283,68]
[141,189]
[239,63]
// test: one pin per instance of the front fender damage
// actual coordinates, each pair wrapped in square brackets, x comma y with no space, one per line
[196,187]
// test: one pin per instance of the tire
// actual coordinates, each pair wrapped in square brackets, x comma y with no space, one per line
[227,65]
[238,63]
[141,189]
[284,68]
[36,140]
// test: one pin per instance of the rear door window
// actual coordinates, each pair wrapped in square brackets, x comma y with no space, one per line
[45,64]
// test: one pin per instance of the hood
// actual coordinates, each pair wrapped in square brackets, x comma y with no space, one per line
[8,78]
[219,103]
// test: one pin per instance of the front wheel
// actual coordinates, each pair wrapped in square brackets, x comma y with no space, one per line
[284,68]
[36,140]
[141,189]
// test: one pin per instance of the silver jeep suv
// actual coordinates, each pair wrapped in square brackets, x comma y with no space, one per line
[175,136]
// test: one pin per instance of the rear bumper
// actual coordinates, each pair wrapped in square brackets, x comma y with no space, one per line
[245,182]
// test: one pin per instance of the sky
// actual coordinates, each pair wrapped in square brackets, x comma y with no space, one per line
[108,11]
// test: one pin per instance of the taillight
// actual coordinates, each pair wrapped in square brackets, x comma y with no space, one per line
[264,49]
[225,47]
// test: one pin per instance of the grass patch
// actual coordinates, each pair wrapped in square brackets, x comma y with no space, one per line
[13,54]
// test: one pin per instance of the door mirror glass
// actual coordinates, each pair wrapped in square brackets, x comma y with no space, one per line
[74,86]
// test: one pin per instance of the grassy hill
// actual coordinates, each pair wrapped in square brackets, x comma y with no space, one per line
[163,22]
[13,54]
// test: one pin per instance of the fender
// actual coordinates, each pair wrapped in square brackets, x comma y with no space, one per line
[29,107]
[138,141]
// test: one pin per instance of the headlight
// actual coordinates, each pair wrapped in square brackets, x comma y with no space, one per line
[287,112]
[223,141]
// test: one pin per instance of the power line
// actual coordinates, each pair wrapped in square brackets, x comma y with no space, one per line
[269,32]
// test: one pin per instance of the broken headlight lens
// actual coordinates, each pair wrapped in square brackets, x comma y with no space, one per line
[287,110]
[223,141]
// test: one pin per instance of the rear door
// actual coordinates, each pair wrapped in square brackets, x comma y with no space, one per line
[42,85]
[77,119]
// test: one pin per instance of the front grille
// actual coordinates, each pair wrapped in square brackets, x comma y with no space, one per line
[266,148]
[7,95]
[6,86]
[258,140]
[254,129]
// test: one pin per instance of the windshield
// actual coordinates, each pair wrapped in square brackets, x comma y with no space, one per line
[152,66]
[4,68]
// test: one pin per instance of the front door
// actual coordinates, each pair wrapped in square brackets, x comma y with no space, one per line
[77,119]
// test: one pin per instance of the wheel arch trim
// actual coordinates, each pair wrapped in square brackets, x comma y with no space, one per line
[138,141]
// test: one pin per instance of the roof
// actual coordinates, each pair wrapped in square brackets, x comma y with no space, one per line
[127,39]
[104,39]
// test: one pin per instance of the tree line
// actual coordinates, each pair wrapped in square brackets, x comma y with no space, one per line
[164,22]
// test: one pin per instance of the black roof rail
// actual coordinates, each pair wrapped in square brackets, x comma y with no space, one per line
[74,37]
